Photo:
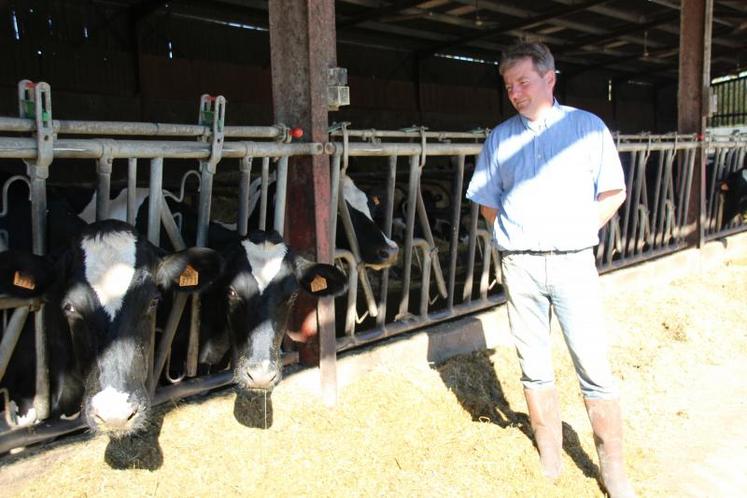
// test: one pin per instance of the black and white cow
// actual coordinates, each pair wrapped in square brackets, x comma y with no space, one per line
[101,295]
[246,310]
[242,329]
[734,190]
[377,250]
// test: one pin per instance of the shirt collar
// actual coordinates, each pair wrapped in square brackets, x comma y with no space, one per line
[551,116]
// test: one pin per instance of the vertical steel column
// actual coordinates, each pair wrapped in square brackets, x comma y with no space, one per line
[690,159]
[413,187]
[658,198]
[131,190]
[391,181]
[346,256]
[154,200]
[425,283]
[334,195]
[639,173]
[103,185]
[35,101]
[155,197]
[263,196]
[428,235]
[456,199]
[471,249]
[246,175]
[628,201]
[281,190]
[302,49]
[212,113]
[696,20]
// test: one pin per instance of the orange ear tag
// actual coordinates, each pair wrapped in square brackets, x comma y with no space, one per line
[189,277]
[24,281]
[318,284]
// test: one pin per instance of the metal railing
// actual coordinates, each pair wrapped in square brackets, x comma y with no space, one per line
[209,148]
[441,274]
[726,155]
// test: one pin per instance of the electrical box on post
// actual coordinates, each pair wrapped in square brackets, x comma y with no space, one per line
[338,93]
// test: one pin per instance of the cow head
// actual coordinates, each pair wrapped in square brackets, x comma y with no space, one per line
[734,191]
[261,279]
[377,250]
[101,300]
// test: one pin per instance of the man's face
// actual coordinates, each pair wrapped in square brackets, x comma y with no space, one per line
[528,91]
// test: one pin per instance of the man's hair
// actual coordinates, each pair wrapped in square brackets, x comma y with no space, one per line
[539,53]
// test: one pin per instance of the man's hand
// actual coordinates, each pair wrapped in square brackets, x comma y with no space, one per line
[489,214]
[607,204]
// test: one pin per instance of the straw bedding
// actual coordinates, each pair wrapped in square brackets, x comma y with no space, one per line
[454,429]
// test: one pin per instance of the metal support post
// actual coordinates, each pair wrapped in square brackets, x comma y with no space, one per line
[212,111]
[245,168]
[36,100]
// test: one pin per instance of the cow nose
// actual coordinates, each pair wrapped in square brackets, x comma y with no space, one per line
[259,377]
[115,421]
[388,253]
[111,410]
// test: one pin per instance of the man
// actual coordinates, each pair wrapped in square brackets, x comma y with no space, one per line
[547,180]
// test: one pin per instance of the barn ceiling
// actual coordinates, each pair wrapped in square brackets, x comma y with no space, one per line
[636,39]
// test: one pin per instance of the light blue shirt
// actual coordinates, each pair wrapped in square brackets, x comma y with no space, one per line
[544,177]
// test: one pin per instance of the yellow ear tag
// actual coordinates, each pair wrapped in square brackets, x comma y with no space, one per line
[318,284]
[189,277]
[24,281]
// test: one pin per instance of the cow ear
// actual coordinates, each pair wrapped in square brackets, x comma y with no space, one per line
[24,275]
[319,279]
[191,270]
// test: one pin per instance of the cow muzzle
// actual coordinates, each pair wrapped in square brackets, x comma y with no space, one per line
[115,413]
[385,257]
[262,376]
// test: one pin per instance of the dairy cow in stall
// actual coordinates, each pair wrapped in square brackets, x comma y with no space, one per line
[101,292]
[734,191]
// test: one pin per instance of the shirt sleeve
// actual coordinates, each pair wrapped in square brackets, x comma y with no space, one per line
[484,187]
[610,175]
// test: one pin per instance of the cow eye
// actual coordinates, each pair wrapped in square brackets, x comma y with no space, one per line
[232,294]
[68,308]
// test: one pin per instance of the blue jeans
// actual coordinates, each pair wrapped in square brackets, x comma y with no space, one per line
[537,284]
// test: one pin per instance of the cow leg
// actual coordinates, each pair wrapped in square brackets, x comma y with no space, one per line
[606,422]
[544,416]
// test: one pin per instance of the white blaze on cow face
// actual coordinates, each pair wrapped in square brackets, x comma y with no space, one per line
[110,265]
[266,259]
[355,197]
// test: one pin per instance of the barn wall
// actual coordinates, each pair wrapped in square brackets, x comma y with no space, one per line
[102,65]
[590,92]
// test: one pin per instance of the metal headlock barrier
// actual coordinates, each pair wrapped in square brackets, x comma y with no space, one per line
[448,265]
